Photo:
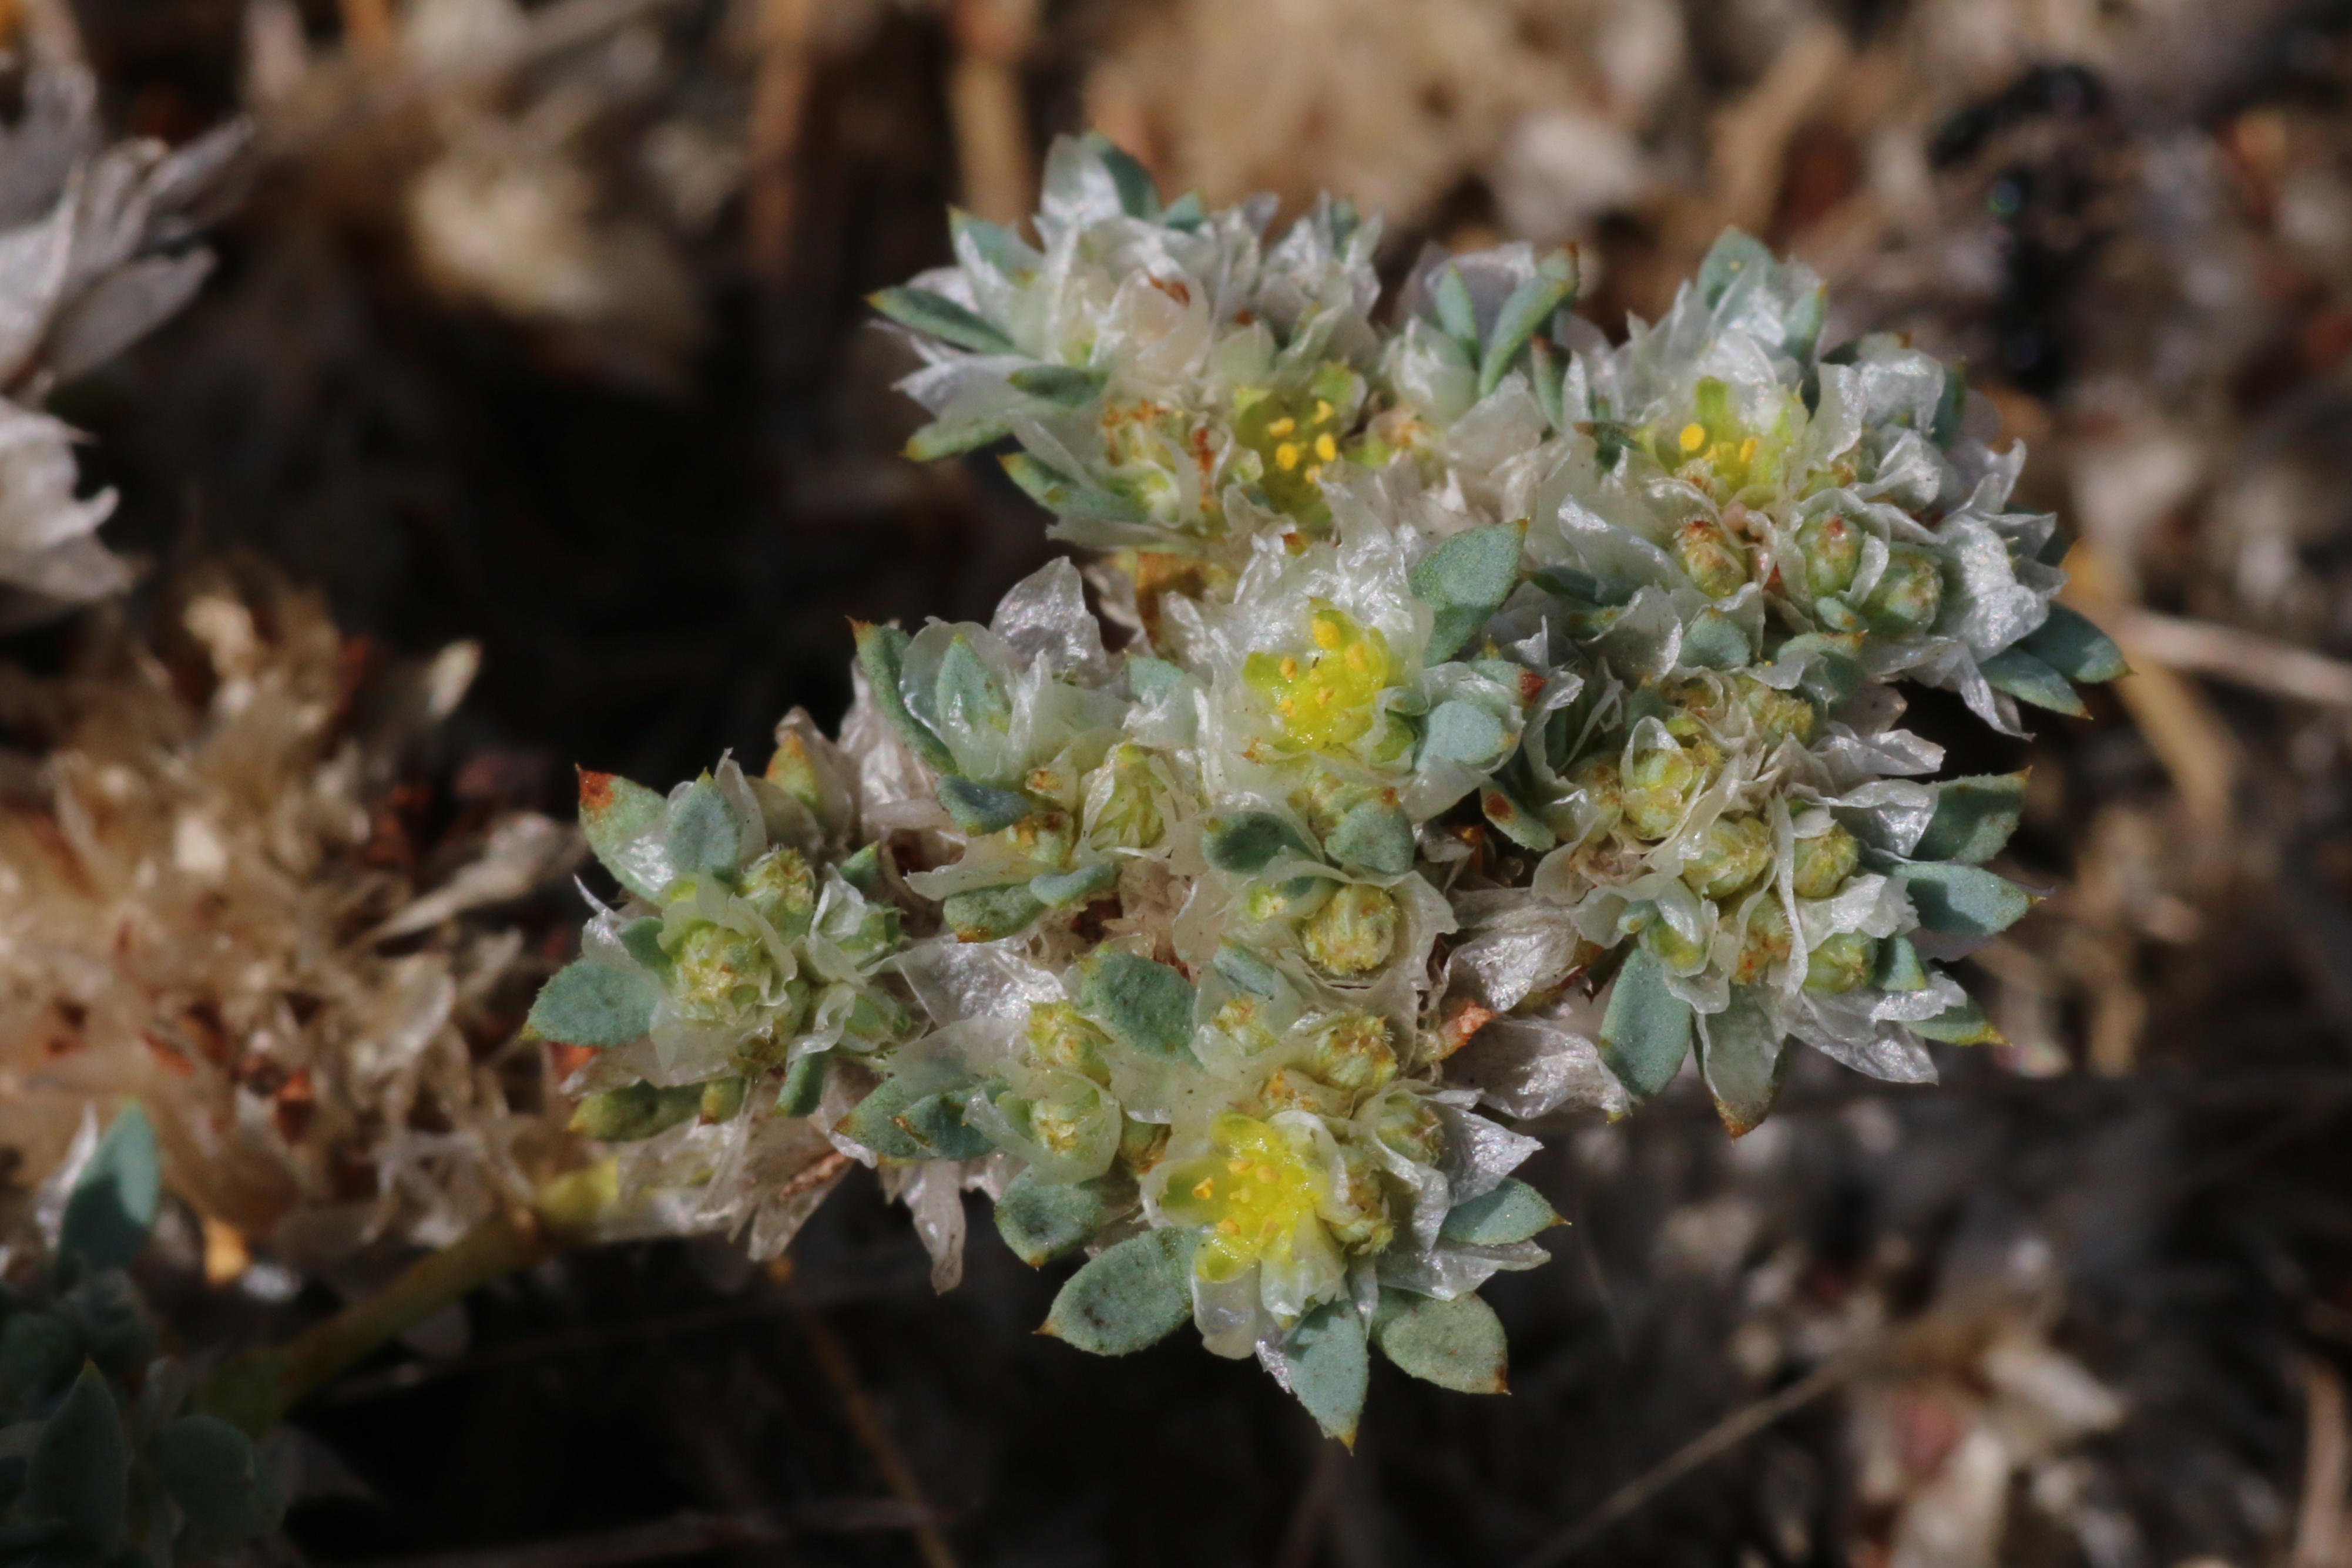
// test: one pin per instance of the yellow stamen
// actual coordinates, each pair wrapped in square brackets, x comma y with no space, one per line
[1355,657]
[1228,1227]
[1327,449]
[1286,706]
[1206,1188]
[1694,437]
[1289,668]
[1748,450]
[1282,426]
[1314,472]
[1322,412]
[1326,631]
[1285,457]
[1238,1166]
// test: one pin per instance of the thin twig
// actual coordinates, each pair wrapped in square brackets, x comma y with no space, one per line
[779,98]
[2228,654]
[2319,1538]
[681,1535]
[993,39]
[1715,1442]
[833,1357]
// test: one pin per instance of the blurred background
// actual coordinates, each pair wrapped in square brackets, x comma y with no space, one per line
[541,325]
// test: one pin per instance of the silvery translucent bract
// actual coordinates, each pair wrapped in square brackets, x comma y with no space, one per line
[1506,723]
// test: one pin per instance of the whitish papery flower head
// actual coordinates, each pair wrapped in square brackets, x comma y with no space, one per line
[1508,721]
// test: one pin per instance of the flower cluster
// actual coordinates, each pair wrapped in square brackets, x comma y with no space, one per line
[1507,720]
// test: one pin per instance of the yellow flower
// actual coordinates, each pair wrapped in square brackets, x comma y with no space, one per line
[1329,699]
[1257,1198]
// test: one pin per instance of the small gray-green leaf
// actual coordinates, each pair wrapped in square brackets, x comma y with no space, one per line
[1130,1297]
[2070,645]
[1042,1220]
[1899,968]
[1974,818]
[1327,1368]
[1373,835]
[219,1478]
[953,438]
[1063,889]
[1244,844]
[641,939]
[622,821]
[596,1005]
[1466,580]
[1456,1344]
[1964,900]
[1647,1033]
[38,1352]
[937,316]
[1515,821]
[1458,317]
[1512,1212]
[901,1123]
[635,1111]
[80,1471]
[804,1085]
[968,698]
[2029,680]
[1248,971]
[1713,641]
[987,914]
[881,653]
[1531,305]
[703,833]
[1961,1024]
[1548,367]
[1064,384]
[112,1205]
[978,808]
[1465,733]
[1744,1059]
[1144,1006]
[1066,497]
[1139,197]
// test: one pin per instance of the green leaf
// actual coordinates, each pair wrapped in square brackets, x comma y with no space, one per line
[1373,835]
[622,821]
[109,1322]
[1139,197]
[1465,733]
[1064,384]
[1513,1212]
[937,316]
[1713,641]
[804,1085]
[38,1352]
[1144,1006]
[1515,821]
[635,1111]
[1547,368]
[219,1478]
[863,871]
[112,1205]
[1247,842]
[1743,1061]
[1531,305]
[980,808]
[898,1122]
[2029,680]
[1732,256]
[881,652]
[1456,1344]
[988,913]
[1130,1297]
[1066,889]
[953,438]
[1066,497]
[641,939]
[1964,900]
[1328,1368]
[1962,1024]
[703,834]
[80,1471]
[968,698]
[1247,970]
[1974,818]
[1466,580]
[1830,676]
[1899,968]
[596,1005]
[1042,1220]
[1458,317]
[1647,1033]
[2070,645]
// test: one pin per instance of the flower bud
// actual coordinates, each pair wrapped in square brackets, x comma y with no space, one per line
[1738,851]
[1767,943]
[1595,806]
[1832,551]
[1140,1144]
[1658,788]
[1824,863]
[1123,800]
[1356,1211]
[1909,593]
[1407,1124]
[1778,715]
[1351,1052]
[780,885]
[1842,962]
[1292,900]
[716,974]
[1353,932]
[1716,566]
[1059,1036]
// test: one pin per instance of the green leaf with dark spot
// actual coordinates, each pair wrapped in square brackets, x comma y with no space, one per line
[1328,1368]
[1064,384]
[113,1202]
[635,1111]
[622,821]
[1961,1024]
[1375,836]
[1066,497]
[1458,317]
[1531,305]
[901,1123]
[1130,1297]
[2070,645]
[1515,821]
[1456,1344]
[1466,580]
[881,653]
[1146,1006]
[1647,1033]
[1974,818]
[596,1005]
[937,316]
[218,1478]
[1246,842]
[1042,1220]
[2029,680]
[1964,900]
[953,438]
[80,1471]
[1068,889]
[1513,1211]
[980,808]
[1744,1059]
[988,913]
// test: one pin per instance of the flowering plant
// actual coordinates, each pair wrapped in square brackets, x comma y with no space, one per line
[1504,720]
